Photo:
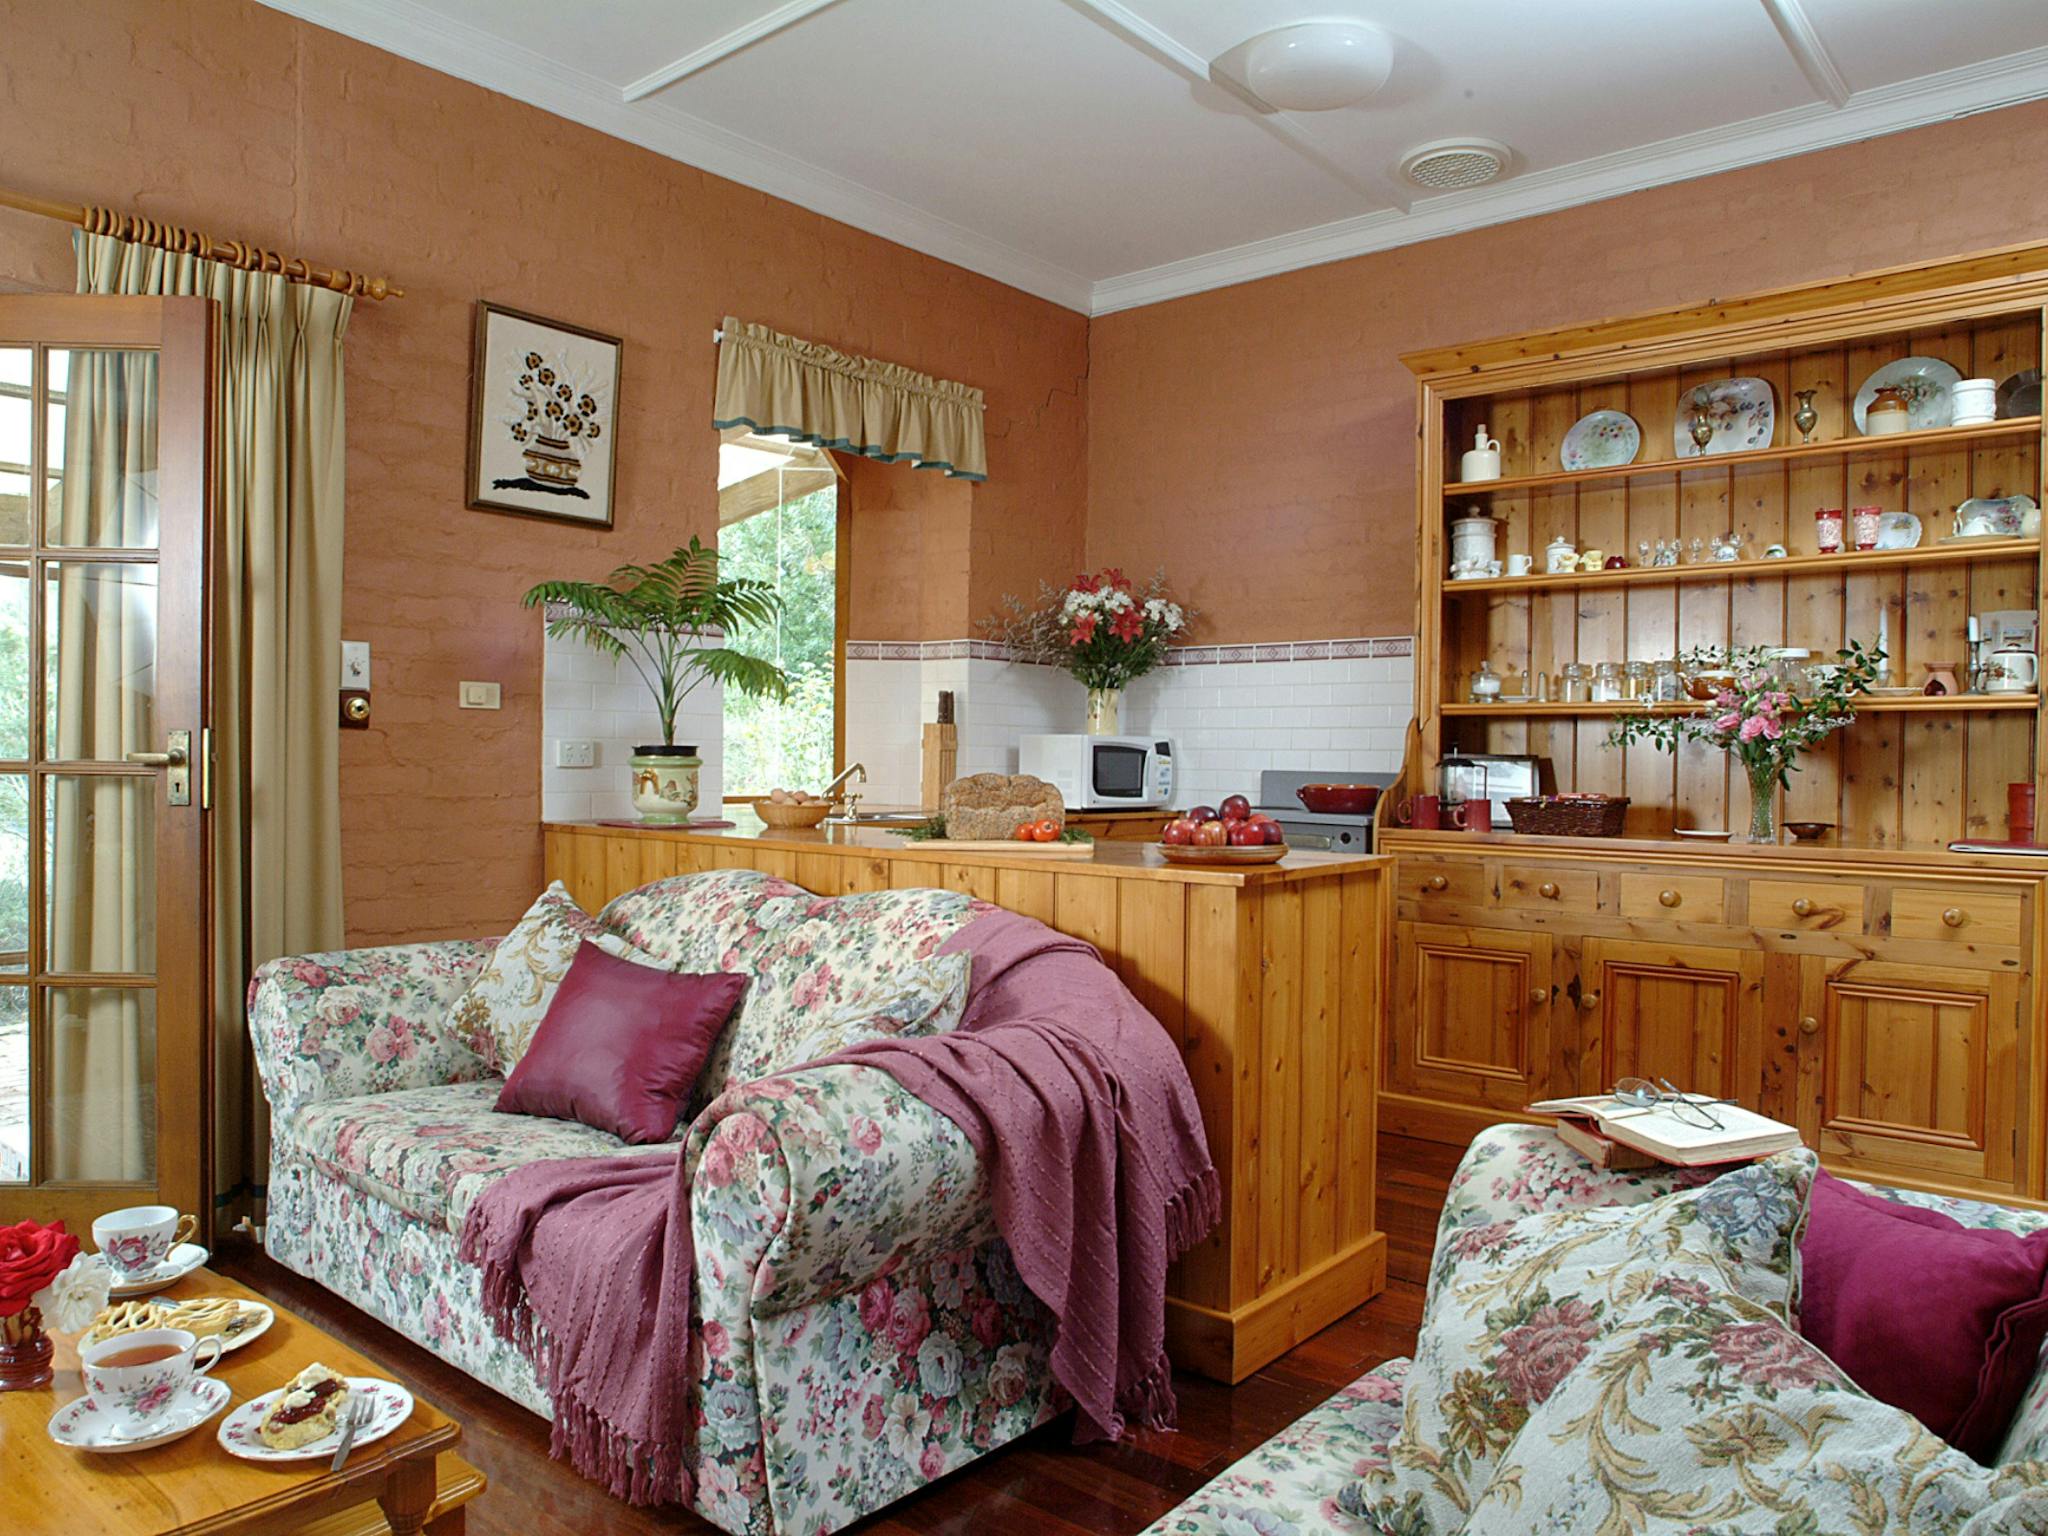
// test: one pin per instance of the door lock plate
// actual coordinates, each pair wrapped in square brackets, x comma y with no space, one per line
[178,776]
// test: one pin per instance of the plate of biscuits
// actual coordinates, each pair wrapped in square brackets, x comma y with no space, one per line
[301,1420]
[234,1321]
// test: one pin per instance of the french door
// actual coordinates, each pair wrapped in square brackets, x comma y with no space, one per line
[105,481]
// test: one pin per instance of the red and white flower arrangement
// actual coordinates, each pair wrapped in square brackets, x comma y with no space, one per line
[43,1277]
[1102,628]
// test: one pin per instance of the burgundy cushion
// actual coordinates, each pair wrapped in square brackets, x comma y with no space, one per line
[1924,1313]
[621,1046]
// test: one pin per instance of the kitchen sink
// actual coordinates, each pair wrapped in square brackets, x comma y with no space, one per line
[880,819]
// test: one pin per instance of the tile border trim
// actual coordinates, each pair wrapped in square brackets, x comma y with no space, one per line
[1369,647]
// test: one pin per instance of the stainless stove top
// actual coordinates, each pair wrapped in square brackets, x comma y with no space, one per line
[1317,829]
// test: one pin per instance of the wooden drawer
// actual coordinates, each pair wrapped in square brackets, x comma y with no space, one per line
[1549,888]
[1807,906]
[1956,915]
[1460,882]
[1679,898]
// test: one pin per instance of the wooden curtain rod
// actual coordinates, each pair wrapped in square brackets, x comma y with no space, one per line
[190,242]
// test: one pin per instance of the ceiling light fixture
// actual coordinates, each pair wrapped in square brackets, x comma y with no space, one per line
[1454,165]
[1314,66]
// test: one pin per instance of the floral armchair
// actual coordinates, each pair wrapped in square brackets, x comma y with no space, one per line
[860,1328]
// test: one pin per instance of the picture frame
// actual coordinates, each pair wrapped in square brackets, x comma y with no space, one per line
[543,414]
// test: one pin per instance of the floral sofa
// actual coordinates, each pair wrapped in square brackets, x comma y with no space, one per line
[860,1327]
[1326,1472]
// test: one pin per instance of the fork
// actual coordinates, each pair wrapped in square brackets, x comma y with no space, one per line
[358,1414]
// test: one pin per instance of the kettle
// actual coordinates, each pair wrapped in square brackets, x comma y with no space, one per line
[1482,460]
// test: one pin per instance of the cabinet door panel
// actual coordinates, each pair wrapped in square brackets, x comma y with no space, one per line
[1691,1013]
[1474,1023]
[1918,1068]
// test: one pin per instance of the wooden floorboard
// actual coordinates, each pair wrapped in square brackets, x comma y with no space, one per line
[1041,1484]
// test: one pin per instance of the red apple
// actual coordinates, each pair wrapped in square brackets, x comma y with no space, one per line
[1236,808]
[1212,834]
[1243,834]
[1179,832]
[1202,813]
[1276,836]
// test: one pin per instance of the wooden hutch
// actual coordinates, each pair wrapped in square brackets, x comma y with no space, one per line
[1874,988]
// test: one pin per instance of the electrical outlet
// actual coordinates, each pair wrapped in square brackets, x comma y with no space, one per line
[575,754]
[355,665]
[478,696]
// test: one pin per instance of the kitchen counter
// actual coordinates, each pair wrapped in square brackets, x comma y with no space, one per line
[1270,978]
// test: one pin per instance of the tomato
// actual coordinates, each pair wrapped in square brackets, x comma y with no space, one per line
[1047,831]
[1023,834]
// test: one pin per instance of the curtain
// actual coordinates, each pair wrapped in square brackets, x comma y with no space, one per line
[774,383]
[276,615]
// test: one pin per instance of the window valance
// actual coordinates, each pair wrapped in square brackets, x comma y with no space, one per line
[769,382]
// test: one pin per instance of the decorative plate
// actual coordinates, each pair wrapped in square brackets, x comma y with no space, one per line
[1601,440]
[84,1425]
[1704,834]
[390,1406]
[2004,517]
[1924,381]
[1743,413]
[1182,853]
[177,1264]
[1898,530]
[2020,395]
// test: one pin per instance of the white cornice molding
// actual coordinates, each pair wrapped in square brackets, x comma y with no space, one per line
[453,48]
[1796,31]
[1884,109]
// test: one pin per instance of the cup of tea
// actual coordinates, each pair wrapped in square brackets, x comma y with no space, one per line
[137,1238]
[138,1375]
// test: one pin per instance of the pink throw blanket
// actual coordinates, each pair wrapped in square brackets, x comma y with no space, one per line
[1073,1096]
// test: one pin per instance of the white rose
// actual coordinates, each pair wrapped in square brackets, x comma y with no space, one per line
[75,1295]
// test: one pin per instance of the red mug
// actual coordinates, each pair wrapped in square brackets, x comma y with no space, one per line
[1423,812]
[1470,816]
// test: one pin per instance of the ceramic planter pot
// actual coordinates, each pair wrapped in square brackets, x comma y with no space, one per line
[665,783]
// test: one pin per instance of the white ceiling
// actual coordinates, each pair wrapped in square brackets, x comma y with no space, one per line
[1077,148]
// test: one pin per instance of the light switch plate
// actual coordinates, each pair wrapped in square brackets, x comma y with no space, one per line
[478,695]
[355,664]
[575,754]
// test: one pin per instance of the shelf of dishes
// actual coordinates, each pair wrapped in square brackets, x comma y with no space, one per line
[1909,701]
[2027,428]
[1945,551]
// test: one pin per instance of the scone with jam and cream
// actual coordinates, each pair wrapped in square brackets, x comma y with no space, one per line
[307,1410]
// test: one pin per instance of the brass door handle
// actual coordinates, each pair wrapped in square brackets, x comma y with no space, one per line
[1668,898]
[170,759]
[1538,997]
[1588,1001]
[1547,890]
[1802,908]
[1809,1025]
[1436,883]
[1954,917]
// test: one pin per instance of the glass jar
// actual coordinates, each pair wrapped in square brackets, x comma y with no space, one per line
[1667,686]
[1485,684]
[1635,680]
[1827,530]
[1865,521]
[1576,685]
[1607,683]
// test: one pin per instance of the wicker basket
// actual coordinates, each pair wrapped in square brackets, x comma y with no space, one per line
[1569,815]
[778,815]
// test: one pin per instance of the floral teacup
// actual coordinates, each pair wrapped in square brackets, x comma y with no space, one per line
[166,1361]
[137,1238]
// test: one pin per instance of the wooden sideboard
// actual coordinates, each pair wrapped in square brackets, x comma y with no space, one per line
[1271,979]
[1881,1002]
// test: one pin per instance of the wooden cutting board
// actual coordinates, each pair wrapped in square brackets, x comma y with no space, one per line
[1004,845]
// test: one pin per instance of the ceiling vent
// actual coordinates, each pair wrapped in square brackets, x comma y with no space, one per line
[1454,165]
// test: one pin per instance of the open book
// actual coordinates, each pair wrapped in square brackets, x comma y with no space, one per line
[1682,1138]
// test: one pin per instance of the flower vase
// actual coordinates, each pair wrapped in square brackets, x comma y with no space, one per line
[24,1351]
[1763,802]
[1105,709]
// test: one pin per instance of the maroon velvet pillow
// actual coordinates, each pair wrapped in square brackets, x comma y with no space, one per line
[1942,1320]
[621,1046]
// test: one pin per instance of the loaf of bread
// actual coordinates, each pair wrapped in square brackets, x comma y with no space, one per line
[983,805]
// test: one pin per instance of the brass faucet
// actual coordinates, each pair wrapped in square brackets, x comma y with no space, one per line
[851,798]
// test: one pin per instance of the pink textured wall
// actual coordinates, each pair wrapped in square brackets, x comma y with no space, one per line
[239,120]
[1277,477]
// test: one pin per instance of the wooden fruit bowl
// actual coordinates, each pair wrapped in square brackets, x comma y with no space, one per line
[1185,853]
[775,815]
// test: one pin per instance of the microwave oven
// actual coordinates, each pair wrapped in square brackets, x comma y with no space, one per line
[1094,773]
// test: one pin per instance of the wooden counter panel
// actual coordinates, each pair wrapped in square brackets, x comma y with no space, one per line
[1272,983]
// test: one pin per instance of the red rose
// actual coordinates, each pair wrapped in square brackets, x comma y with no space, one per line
[31,1256]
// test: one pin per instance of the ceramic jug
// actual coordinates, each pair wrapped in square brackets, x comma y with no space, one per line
[2011,669]
[1482,460]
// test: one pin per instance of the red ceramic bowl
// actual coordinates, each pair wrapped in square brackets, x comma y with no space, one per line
[1339,799]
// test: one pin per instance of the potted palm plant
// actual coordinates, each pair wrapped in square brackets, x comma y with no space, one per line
[669,620]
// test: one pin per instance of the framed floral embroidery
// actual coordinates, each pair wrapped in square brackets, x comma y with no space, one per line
[543,417]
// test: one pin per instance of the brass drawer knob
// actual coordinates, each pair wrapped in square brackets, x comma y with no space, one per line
[1954,917]
[1436,883]
[1588,1001]
[1547,890]
[1802,908]
[1668,898]
[1538,997]
[1809,1025]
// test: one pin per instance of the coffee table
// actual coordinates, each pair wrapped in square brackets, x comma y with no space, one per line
[409,1481]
